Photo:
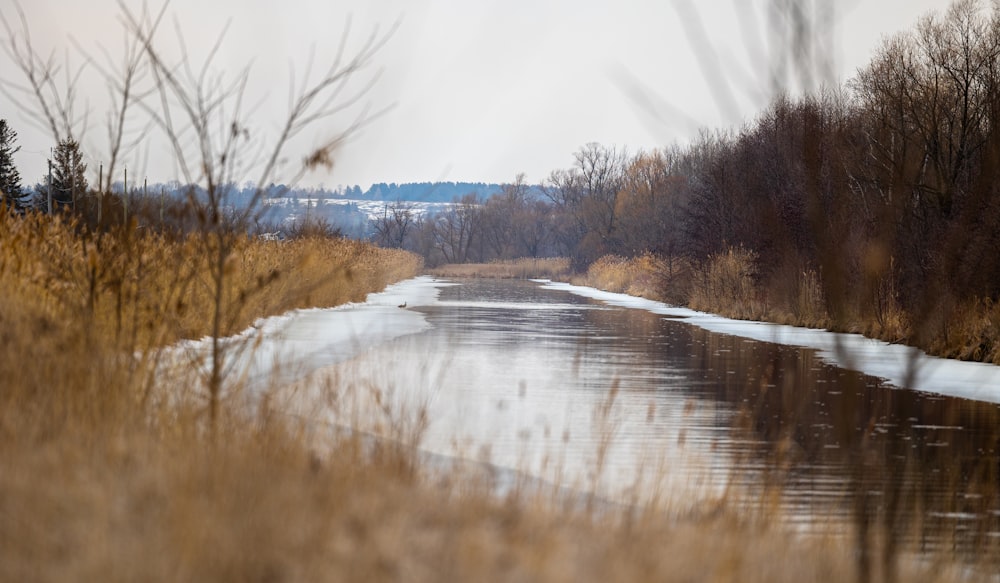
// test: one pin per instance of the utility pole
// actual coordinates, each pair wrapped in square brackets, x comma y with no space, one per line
[100,192]
[125,195]
[161,208]
[49,189]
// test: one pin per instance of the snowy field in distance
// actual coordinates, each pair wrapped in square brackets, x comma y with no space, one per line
[373,209]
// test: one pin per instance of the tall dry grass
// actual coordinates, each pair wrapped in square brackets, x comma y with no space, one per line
[150,289]
[84,314]
[258,507]
[660,278]
[968,331]
[729,280]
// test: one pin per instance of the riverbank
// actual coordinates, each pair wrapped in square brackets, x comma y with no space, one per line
[727,285]
[903,366]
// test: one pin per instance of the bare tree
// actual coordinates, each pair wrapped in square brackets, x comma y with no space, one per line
[585,199]
[201,110]
[207,108]
[500,213]
[533,229]
[648,203]
[395,224]
[601,171]
[457,230]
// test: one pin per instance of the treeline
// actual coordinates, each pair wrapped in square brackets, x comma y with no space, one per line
[170,208]
[878,200]
[512,223]
[276,208]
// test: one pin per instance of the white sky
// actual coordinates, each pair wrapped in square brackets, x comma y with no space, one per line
[480,90]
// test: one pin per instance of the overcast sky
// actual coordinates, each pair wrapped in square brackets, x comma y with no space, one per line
[481,90]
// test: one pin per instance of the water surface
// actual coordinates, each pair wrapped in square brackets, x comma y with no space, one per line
[635,406]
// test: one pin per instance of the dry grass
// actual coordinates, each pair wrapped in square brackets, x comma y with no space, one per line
[659,278]
[970,331]
[257,506]
[150,290]
[729,284]
[526,268]
[103,481]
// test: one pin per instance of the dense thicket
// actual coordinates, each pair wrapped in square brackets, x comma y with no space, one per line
[887,184]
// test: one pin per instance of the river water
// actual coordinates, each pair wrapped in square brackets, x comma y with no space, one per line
[638,408]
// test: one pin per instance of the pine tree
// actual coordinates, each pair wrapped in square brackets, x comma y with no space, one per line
[69,181]
[10,179]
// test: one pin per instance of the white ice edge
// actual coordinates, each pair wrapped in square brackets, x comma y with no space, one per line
[901,366]
[286,347]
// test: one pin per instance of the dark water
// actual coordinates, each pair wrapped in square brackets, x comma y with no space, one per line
[641,408]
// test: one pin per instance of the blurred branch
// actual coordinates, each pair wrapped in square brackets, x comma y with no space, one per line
[42,100]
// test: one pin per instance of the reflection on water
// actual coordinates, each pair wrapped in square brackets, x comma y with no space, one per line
[840,444]
[636,407]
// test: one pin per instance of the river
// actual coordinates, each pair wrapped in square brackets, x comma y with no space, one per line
[635,407]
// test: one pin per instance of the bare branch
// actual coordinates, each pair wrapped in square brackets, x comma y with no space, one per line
[48,107]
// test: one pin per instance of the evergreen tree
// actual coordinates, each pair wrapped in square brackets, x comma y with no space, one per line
[69,181]
[10,178]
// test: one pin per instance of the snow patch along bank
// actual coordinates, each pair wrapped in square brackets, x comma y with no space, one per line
[903,366]
[281,349]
